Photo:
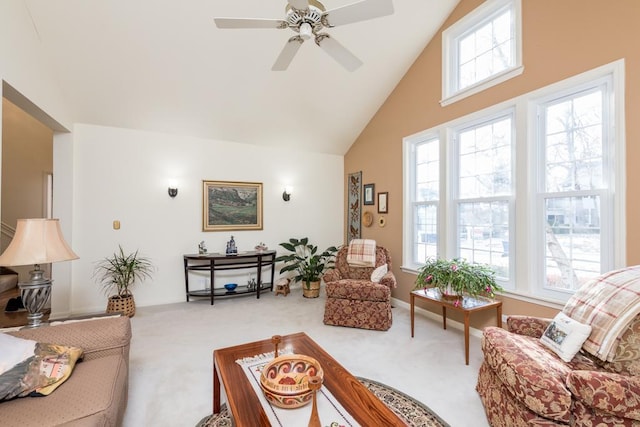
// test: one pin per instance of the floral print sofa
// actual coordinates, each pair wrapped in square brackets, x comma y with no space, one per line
[523,383]
[353,300]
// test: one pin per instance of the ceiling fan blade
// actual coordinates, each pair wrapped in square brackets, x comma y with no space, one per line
[287,54]
[299,4]
[338,52]
[360,11]
[249,23]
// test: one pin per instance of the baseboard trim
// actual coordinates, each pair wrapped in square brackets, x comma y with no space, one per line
[437,317]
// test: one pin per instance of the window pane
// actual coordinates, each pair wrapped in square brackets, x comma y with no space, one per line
[484,39]
[426,232]
[502,28]
[483,234]
[427,171]
[501,55]
[467,48]
[467,74]
[572,241]
[485,160]
[573,143]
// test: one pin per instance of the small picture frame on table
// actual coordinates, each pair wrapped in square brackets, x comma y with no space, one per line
[383,200]
[369,194]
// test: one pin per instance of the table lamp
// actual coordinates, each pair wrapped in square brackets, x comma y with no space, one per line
[36,241]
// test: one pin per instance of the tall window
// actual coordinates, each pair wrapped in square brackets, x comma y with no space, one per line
[484,45]
[426,196]
[484,188]
[575,200]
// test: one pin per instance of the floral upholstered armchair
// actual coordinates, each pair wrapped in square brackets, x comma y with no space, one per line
[354,299]
[524,382]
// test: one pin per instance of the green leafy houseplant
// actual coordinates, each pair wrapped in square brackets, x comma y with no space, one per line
[119,272]
[304,260]
[459,276]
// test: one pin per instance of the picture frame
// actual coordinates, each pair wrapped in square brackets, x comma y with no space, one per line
[383,202]
[369,194]
[231,205]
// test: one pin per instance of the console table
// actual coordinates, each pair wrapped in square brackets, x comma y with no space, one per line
[216,262]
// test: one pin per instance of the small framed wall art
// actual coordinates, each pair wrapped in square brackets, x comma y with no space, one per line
[228,205]
[369,194]
[383,201]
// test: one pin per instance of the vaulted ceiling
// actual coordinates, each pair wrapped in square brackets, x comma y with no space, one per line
[162,65]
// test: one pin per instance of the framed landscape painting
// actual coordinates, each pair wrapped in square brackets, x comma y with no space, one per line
[231,205]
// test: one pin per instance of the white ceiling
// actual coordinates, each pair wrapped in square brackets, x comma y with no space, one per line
[162,65]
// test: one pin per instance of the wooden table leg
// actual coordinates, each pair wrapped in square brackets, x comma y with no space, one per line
[444,317]
[216,390]
[499,319]
[413,307]
[466,336]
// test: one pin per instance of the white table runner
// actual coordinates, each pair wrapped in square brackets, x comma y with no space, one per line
[331,412]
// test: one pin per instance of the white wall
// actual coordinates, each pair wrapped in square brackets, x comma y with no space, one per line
[123,175]
[102,174]
[24,65]
[31,84]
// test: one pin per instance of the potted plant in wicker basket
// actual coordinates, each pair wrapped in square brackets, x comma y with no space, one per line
[118,273]
[307,264]
[457,277]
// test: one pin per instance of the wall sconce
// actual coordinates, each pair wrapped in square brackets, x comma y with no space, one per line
[173,191]
[286,194]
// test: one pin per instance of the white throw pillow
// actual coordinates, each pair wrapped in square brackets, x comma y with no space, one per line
[14,351]
[379,273]
[565,336]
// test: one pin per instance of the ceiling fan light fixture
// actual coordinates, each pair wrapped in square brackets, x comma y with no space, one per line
[307,19]
[305,31]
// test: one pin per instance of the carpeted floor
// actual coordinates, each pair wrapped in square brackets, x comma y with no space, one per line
[412,412]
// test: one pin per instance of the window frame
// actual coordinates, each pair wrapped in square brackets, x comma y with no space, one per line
[450,60]
[410,182]
[525,274]
[456,200]
[607,193]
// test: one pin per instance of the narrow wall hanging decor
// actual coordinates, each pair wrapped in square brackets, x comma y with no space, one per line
[354,186]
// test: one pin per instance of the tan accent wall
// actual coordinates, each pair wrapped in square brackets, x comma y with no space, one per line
[560,39]
[27,156]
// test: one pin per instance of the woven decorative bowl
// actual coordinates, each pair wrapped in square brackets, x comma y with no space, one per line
[285,380]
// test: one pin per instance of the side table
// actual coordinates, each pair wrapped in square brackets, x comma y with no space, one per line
[467,306]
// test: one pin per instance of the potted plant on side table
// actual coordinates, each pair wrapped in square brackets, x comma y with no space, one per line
[455,278]
[307,264]
[118,273]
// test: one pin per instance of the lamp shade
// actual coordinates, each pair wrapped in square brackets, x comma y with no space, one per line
[37,241]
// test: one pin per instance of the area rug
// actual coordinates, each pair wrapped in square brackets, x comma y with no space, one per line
[412,412]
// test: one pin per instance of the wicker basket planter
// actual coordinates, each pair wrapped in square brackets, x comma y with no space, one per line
[122,304]
[313,291]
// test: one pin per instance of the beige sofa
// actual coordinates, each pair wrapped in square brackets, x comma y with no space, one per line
[96,392]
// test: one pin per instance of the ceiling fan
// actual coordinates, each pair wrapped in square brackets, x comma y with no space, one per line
[308,18]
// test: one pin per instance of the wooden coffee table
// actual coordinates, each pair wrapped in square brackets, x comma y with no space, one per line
[243,402]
